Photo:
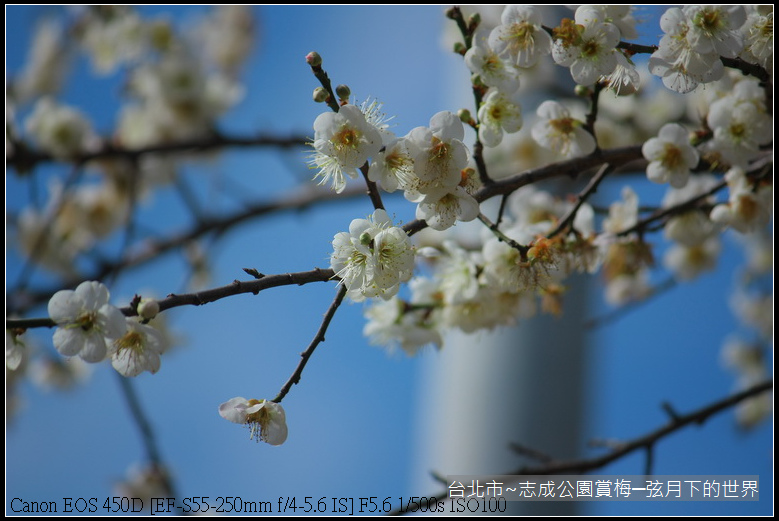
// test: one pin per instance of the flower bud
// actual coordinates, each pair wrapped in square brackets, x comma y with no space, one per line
[343,92]
[473,21]
[582,91]
[459,48]
[465,116]
[320,95]
[148,308]
[313,59]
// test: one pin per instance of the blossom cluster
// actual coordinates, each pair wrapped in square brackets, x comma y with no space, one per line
[92,329]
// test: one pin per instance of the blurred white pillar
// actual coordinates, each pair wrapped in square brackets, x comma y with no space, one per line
[522,385]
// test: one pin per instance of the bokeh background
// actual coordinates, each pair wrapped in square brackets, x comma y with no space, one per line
[355,420]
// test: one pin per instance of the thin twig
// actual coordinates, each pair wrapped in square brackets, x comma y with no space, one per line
[151,250]
[620,312]
[318,338]
[591,187]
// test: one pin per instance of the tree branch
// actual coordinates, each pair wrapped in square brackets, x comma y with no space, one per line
[23,158]
[206,296]
[646,442]
[318,338]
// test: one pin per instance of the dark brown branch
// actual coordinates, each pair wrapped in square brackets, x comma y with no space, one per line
[373,189]
[617,157]
[24,158]
[646,442]
[591,187]
[318,338]
[206,296]
[504,238]
[680,208]
[152,249]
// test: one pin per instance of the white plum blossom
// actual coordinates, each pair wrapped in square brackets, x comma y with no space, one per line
[343,142]
[441,208]
[45,64]
[439,153]
[137,350]
[622,214]
[670,156]
[590,53]
[373,257]
[740,127]
[496,114]
[14,350]
[687,262]
[85,320]
[266,420]
[393,167]
[491,68]
[394,322]
[625,79]
[681,67]
[758,33]
[557,130]
[619,15]
[715,29]
[520,36]
[59,129]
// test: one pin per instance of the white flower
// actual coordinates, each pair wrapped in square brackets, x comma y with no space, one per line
[622,214]
[591,55]
[393,167]
[86,320]
[619,15]
[625,78]
[687,262]
[137,350]
[440,154]
[373,257]
[493,71]
[558,131]
[266,420]
[394,322]
[45,64]
[520,35]
[441,208]
[715,29]
[14,350]
[496,114]
[343,142]
[670,156]
[758,32]
[739,129]
[680,66]
[60,130]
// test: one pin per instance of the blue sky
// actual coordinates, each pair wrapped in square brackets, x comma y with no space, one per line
[352,419]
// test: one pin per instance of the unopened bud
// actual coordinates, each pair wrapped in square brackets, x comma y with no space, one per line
[473,21]
[582,91]
[365,239]
[148,308]
[343,92]
[313,59]
[320,95]
[459,48]
[465,116]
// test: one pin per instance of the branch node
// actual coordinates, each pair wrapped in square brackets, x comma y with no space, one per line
[670,411]
[254,273]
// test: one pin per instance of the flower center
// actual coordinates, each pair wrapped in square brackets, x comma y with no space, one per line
[346,138]
[563,125]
